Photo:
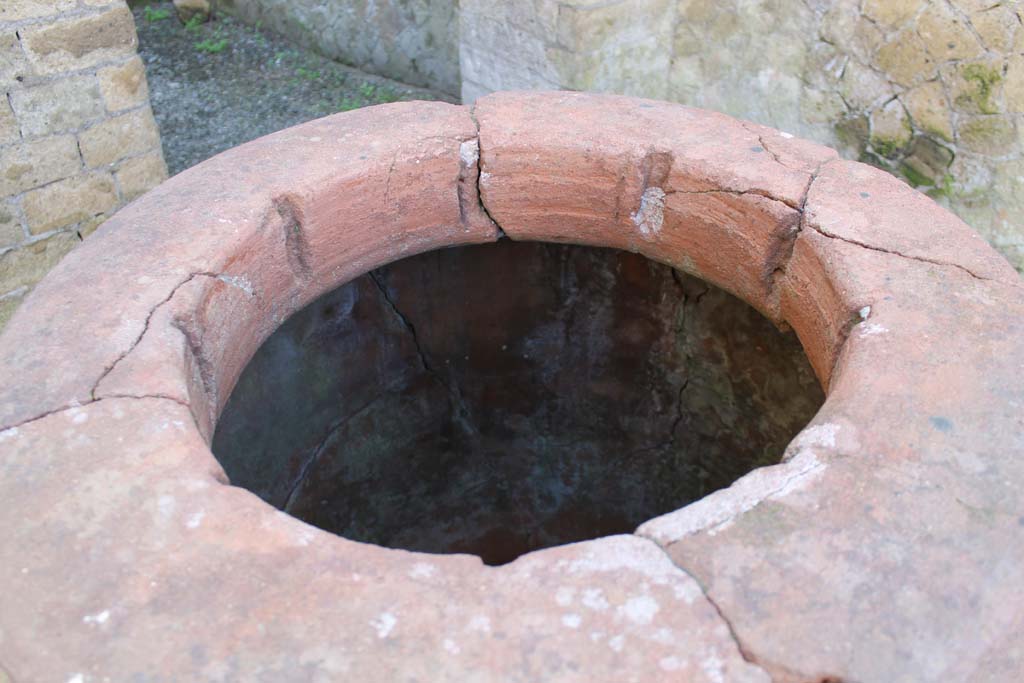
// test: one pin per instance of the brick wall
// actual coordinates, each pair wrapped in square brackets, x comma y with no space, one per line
[77,137]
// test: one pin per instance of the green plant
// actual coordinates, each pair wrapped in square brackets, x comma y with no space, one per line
[885,148]
[348,104]
[915,177]
[307,74]
[388,95]
[985,79]
[194,23]
[257,33]
[945,189]
[151,15]
[212,45]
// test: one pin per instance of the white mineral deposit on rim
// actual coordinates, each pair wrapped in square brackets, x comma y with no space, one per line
[469,152]
[384,624]
[651,214]
[720,508]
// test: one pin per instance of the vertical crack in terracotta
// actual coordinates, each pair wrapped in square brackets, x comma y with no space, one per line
[778,261]
[499,231]
[680,413]
[203,365]
[460,186]
[852,320]
[680,329]
[669,441]
[471,209]
[775,155]
[460,413]
[314,457]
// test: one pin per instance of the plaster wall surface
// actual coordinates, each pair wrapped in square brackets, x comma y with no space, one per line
[414,41]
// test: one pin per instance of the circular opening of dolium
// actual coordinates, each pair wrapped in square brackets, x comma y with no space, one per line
[504,398]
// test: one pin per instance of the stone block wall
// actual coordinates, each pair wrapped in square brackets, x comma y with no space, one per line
[414,41]
[77,137]
[931,90]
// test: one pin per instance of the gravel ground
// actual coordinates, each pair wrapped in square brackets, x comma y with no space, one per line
[219,84]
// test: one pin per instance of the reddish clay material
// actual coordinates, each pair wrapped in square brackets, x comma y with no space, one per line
[886,547]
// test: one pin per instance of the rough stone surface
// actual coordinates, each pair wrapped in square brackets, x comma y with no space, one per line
[69,201]
[186,9]
[79,42]
[19,10]
[890,127]
[885,547]
[27,266]
[9,303]
[33,164]
[119,137]
[10,227]
[9,131]
[1014,88]
[58,107]
[14,66]
[927,105]
[616,46]
[67,68]
[138,175]
[124,86]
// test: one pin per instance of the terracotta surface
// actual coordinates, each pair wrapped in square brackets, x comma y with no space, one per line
[889,547]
